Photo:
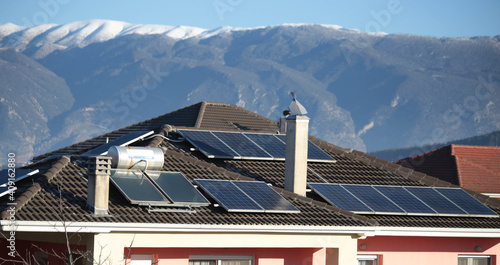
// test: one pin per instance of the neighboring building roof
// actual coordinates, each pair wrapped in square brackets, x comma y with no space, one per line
[472,167]
[63,175]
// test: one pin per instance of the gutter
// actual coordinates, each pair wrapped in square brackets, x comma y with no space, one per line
[355,232]
[87,227]
[437,232]
[492,195]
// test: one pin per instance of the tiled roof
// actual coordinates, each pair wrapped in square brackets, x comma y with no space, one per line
[40,201]
[472,167]
[38,198]
[226,117]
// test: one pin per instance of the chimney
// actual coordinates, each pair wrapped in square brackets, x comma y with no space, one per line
[98,185]
[297,139]
[283,124]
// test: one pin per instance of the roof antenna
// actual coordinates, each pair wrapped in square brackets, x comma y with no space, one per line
[295,107]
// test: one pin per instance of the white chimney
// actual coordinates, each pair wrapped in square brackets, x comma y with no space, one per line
[297,132]
[98,185]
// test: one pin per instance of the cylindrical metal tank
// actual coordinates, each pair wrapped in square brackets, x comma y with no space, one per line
[127,157]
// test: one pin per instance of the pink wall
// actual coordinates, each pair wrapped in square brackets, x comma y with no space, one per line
[427,250]
[263,256]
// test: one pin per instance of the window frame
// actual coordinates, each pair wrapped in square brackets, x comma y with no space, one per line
[142,257]
[371,257]
[219,258]
[489,257]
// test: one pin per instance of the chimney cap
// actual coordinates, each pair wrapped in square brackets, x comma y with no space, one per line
[295,107]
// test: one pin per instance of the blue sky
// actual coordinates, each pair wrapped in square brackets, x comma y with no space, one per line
[423,17]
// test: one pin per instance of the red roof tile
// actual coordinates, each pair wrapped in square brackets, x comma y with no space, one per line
[472,167]
[478,167]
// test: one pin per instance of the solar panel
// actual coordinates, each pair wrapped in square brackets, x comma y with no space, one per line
[4,190]
[242,145]
[229,196]
[405,200]
[338,196]
[266,197]
[177,188]
[373,199]
[268,142]
[436,201]
[208,144]
[466,202]
[424,201]
[122,141]
[18,174]
[316,154]
[137,188]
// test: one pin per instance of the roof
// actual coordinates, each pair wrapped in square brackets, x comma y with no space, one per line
[472,167]
[63,172]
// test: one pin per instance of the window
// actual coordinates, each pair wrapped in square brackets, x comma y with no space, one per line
[474,260]
[220,260]
[367,259]
[141,259]
[78,257]
[41,258]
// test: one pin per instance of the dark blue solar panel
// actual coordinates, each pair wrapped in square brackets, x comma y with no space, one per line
[405,200]
[177,188]
[435,200]
[122,141]
[270,143]
[466,202]
[314,153]
[229,196]
[242,145]
[208,144]
[17,173]
[281,137]
[247,146]
[402,200]
[137,188]
[336,195]
[266,197]
[373,199]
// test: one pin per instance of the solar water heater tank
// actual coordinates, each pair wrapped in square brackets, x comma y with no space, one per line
[137,157]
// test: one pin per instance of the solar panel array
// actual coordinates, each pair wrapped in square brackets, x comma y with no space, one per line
[398,200]
[246,196]
[18,174]
[122,141]
[249,146]
[156,188]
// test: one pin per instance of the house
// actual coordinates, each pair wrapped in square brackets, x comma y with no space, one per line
[80,203]
[475,168]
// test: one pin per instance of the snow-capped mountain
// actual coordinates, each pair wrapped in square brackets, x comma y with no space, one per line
[363,91]
[50,37]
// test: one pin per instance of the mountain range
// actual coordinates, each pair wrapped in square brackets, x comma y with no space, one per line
[61,84]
